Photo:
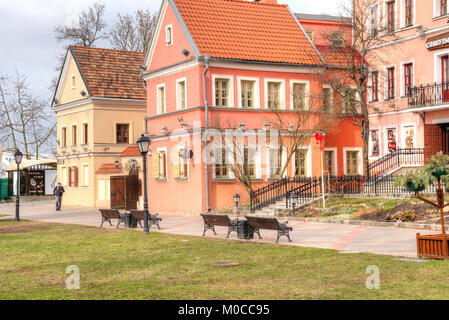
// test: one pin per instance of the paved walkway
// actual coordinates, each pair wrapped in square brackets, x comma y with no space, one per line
[345,238]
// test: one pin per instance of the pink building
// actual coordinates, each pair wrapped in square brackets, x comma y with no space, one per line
[230,63]
[408,85]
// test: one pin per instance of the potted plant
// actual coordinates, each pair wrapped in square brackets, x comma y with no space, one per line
[415,181]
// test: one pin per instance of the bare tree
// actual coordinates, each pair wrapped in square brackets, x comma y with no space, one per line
[87,30]
[133,34]
[27,123]
[350,81]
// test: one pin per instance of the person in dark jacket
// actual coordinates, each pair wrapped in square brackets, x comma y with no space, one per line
[58,191]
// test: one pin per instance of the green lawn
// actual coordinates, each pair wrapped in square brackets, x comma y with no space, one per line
[129,265]
[4,215]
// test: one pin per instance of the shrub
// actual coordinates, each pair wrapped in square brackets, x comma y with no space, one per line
[403,216]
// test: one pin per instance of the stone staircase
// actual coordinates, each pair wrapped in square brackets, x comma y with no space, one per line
[279,209]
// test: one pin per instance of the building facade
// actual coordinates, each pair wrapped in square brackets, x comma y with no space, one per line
[100,105]
[408,80]
[240,65]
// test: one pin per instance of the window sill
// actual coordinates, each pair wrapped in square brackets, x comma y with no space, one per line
[161,180]
[223,180]
[181,179]
[440,17]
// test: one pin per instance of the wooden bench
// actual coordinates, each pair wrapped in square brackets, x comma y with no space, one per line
[268,223]
[109,214]
[212,220]
[153,219]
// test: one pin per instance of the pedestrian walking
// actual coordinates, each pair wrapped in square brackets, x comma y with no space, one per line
[58,192]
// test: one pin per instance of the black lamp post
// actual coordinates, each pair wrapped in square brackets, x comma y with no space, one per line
[144,145]
[18,156]
[236,200]
[293,200]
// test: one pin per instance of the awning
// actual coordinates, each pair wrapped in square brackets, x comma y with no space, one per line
[31,163]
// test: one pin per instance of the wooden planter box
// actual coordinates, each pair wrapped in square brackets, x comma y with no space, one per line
[431,246]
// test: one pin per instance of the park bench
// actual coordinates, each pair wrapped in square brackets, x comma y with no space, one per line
[153,219]
[268,223]
[109,214]
[212,220]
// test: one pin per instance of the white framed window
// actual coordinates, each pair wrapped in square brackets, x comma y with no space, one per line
[373,85]
[181,94]
[390,13]
[160,164]
[248,92]
[169,35]
[180,163]
[407,75]
[276,161]
[249,160]
[302,162]
[408,13]
[373,20]
[85,175]
[161,101]
[440,8]
[328,98]
[299,94]
[390,82]
[223,91]
[438,65]
[222,161]
[275,94]
[352,161]
[330,161]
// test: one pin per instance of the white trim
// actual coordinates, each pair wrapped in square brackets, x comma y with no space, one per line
[180,147]
[402,21]
[282,92]
[269,68]
[169,27]
[283,160]
[158,102]
[256,98]
[437,64]
[368,23]
[83,166]
[359,150]
[178,98]
[385,10]
[231,101]
[402,76]
[171,70]
[308,161]
[157,31]
[229,155]
[334,159]
[306,94]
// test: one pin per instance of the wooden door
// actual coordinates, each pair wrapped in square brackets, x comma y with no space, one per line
[132,192]
[118,192]
[433,140]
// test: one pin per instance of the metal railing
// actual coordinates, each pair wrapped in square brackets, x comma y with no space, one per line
[397,159]
[428,95]
[310,189]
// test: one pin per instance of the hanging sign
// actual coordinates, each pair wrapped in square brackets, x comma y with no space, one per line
[438,42]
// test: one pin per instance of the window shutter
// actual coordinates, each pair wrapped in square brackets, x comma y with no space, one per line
[69,177]
[156,165]
[75,173]
[164,165]
[176,172]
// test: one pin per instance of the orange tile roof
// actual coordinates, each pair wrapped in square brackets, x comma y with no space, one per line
[243,30]
[111,73]
[131,151]
[337,56]
[109,168]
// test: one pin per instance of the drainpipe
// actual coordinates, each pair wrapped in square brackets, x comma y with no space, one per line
[206,107]
[145,124]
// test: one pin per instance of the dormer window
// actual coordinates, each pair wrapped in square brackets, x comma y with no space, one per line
[169,35]
[73,82]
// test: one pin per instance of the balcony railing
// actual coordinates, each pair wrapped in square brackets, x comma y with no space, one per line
[428,95]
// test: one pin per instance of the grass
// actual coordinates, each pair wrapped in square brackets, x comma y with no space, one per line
[129,265]
[4,215]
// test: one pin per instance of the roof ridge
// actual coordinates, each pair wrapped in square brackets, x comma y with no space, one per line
[108,49]
[260,3]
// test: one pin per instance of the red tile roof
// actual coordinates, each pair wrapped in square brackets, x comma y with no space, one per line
[109,168]
[243,30]
[131,151]
[111,73]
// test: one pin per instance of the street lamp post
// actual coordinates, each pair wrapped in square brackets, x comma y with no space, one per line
[293,199]
[236,200]
[144,145]
[18,156]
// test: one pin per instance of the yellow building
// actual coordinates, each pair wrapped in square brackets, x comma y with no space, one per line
[100,103]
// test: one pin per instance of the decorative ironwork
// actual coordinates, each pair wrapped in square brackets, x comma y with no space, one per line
[428,95]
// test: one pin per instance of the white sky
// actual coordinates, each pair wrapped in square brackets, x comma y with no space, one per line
[27,41]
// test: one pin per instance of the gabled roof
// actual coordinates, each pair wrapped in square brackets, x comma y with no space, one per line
[244,30]
[110,73]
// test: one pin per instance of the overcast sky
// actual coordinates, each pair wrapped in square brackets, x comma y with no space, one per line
[27,42]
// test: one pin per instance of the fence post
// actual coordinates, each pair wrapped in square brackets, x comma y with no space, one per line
[287,196]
